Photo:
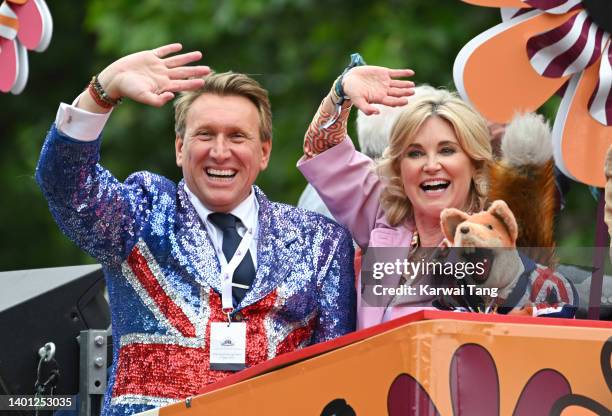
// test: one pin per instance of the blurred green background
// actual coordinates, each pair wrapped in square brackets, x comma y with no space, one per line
[295,48]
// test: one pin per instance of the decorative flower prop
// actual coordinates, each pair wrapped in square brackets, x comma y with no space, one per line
[24,25]
[539,48]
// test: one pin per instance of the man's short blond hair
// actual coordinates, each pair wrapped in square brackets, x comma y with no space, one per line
[226,84]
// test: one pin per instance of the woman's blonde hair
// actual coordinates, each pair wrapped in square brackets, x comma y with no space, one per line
[473,137]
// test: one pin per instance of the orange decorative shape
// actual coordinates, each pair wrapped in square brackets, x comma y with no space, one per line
[361,367]
[498,77]
[498,3]
[585,141]
[577,411]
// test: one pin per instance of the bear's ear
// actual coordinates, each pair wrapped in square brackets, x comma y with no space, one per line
[450,218]
[501,210]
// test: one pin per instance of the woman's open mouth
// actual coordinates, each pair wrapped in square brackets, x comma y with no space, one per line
[434,186]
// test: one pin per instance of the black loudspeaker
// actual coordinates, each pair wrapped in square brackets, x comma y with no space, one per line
[47,305]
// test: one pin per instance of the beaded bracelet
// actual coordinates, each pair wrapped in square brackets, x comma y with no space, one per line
[100,96]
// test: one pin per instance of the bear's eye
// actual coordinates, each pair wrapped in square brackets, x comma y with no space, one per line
[489,226]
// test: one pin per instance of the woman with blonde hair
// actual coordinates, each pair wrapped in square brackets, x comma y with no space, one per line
[437,158]
[442,112]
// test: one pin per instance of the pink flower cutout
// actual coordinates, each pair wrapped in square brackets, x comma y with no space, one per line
[24,25]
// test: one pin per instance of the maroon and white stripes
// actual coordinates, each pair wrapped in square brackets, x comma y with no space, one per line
[567,49]
[555,6]
[600,104]
[572,47]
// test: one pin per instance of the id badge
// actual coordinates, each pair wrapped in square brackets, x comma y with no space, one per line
[227,346]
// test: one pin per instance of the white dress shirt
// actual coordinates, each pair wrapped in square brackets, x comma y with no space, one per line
[247,212]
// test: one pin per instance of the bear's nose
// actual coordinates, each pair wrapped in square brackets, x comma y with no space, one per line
[465,229]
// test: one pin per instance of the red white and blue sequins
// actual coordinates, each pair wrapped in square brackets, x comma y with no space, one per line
[163,275]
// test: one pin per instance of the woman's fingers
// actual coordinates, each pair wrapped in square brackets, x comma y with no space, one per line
[400,92]
[400,73]
[394,101]
[362,104]
[400,83]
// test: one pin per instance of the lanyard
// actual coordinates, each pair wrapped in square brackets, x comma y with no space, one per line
[227,272]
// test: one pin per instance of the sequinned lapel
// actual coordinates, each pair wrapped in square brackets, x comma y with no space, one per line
[195,251]
[278,249]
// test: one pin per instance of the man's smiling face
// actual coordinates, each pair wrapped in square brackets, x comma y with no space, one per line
[222,152]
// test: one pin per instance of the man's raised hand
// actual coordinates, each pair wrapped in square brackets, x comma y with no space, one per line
[152,77]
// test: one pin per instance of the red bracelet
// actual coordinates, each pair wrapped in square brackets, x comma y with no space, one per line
[94,94]
[99,95]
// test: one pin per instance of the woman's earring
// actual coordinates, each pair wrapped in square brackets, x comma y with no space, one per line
[480,184]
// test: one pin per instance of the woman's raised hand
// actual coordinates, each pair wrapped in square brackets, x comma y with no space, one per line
[152,77]
[367,85]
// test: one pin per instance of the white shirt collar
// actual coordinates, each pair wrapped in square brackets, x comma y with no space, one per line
[247,211]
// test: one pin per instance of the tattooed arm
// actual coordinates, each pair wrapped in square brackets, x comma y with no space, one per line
[363,86]
[342,176]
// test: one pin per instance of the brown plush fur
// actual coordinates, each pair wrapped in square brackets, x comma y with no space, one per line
[530,193]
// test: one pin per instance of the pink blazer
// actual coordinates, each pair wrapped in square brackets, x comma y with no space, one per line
[347,183]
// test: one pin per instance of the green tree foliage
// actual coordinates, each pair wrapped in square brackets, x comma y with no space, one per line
[295,48]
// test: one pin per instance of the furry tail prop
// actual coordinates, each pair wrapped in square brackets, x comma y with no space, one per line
[524,178]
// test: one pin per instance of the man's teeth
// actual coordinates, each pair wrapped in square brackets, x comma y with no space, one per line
[221,173]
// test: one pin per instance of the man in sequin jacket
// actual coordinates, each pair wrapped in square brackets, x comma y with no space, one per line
[162,254]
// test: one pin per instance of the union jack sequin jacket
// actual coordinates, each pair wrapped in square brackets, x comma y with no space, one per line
[163,280]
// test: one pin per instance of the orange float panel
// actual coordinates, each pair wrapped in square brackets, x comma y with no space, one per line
[429,363]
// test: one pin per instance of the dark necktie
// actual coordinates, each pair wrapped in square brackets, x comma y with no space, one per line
[245,272]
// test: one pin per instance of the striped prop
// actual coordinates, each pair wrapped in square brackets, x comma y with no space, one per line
[555,6]
[600,104]
[572,47]
[9,25]
[540,48]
